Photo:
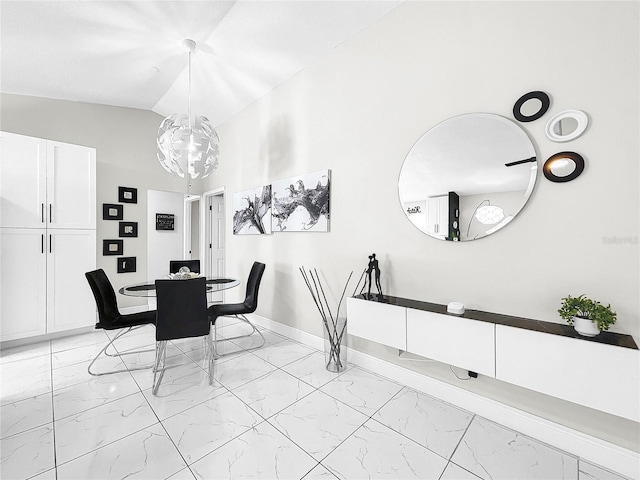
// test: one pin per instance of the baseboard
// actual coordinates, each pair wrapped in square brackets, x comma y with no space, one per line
[587,447]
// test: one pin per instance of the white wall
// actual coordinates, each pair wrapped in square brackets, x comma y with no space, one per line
[358,111]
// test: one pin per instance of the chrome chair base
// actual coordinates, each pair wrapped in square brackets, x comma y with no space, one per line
[109,344]
[160,365]
[243,319]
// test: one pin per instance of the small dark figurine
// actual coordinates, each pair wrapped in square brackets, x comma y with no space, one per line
[372,267]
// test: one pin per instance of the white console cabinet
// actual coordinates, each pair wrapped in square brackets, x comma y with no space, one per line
[377,322]
[601,372]
[48,237]
[460,342]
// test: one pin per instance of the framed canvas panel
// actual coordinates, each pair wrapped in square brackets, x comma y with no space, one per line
[126,264]
[301,203]
[111,211]
[165,221]
[128,229]
[252,211]
[112,247]
[127,195]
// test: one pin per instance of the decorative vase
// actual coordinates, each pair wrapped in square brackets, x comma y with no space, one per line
[335,351]
[586,327]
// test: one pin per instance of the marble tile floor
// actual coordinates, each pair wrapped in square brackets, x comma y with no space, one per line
[271,413]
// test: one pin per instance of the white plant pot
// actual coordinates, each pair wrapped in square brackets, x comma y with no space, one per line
[585,327]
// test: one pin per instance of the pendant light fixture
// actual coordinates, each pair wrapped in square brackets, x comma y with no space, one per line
[188,146]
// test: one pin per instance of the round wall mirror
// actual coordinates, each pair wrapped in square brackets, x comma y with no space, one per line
[567,125]
[467,177]
[531,106]
[563,167]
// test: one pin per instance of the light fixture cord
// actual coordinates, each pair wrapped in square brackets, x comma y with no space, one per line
[187,175]
[189,107]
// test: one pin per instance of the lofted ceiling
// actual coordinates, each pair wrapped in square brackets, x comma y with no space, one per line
[130,53]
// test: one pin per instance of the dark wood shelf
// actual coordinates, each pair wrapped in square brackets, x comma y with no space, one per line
[607,338]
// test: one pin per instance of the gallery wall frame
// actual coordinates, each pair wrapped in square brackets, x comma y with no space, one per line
[112,211]
[128,229]
[112,247]
[127,195]
[126,264]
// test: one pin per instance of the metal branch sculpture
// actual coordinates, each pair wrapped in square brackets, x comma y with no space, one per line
[329,320]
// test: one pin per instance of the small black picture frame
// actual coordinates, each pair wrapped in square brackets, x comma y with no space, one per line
[128,229]
[112,211]
[127,195]
[112,247]
[165,221]
[126,264]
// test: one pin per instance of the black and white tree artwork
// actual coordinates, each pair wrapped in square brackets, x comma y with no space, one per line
[301,204]
[252,211]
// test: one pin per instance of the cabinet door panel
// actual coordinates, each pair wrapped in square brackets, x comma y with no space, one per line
[22,181]
[378,322]
[70,303]
[457,341]
[71,186]
[23,287]
[604,377]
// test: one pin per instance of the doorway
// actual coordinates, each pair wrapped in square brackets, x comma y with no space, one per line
[213,238]
[191,227]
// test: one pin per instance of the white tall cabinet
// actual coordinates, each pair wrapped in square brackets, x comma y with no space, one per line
[47,236]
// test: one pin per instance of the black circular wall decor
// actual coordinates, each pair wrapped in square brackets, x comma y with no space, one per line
[544,106]
[559,162]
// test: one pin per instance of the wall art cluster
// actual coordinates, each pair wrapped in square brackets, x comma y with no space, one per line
[114,211]
[294,204]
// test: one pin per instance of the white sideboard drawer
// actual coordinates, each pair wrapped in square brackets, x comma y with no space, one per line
[378,322]
[457,341]
[604,377]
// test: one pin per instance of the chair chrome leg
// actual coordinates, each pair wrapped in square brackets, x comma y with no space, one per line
[210,357]
[161,352]
[104,350]
[254,330]
[117,354]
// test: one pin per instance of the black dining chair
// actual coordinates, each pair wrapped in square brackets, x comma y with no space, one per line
[110,318]
[239,310]
[182,313]
[175,265]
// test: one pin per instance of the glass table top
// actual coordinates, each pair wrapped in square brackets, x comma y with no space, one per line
[148,288]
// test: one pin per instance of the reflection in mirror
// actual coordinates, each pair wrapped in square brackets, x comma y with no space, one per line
[466,171]
[567,125]
[563,167]
[531,107]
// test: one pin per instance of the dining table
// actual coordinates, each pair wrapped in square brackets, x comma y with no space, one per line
[148,288]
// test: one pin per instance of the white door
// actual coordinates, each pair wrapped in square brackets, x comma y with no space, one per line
[71,186]
[22,181]
[70,303]
[23,282]
[215,241]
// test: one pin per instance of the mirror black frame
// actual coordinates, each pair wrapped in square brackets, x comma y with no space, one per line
[545,103]
[576,158]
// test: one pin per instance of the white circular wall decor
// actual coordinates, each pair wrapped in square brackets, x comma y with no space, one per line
[566,125]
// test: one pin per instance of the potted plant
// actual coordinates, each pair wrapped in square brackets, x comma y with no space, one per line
[587,316]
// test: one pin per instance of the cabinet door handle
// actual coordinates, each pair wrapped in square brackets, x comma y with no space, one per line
[42,212]
[42,243]
[50,214]
[50,244]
